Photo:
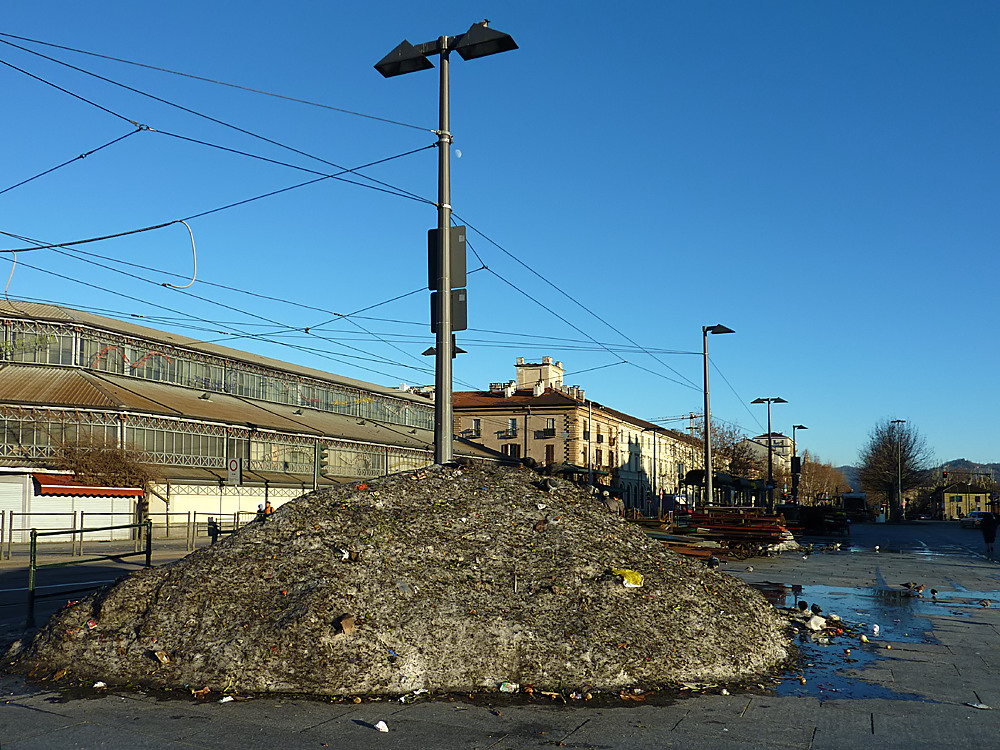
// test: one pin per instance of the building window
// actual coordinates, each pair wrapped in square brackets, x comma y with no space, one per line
[599,455]
[513,450]
[477,428]
[550,424]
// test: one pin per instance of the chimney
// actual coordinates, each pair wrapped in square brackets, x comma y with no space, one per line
[539,389]
[509,389]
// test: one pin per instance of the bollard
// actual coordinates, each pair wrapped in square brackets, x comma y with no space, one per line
[83,525]
[30,621]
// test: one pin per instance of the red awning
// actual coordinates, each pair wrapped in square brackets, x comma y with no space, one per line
[63,484]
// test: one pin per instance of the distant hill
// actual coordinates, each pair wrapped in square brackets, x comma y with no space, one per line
[851,474]
[959,466]
[964,466]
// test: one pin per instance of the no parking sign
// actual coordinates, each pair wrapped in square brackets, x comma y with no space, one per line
[235,466]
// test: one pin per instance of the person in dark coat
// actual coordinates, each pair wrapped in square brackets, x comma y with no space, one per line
[988,525]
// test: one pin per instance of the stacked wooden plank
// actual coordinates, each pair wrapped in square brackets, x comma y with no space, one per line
[723,532]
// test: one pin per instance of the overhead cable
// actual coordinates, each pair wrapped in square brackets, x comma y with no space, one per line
[183,109]
[219,83]
[75,158]
[570,297]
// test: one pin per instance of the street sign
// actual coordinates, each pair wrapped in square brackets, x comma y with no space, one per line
[235,467]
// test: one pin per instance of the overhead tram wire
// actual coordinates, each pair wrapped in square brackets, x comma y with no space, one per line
[225,306]
[70,93]
[203,213]
[569,297]
[739,398]
[393,191]
[191,112]
[283,327]
[318,352]
[220,83]
[74,159]
[381,360]
[566,344]
[581,331]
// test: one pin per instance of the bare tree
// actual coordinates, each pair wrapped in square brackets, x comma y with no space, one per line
[820,479]
[895,458]
[94,461]
[730,450]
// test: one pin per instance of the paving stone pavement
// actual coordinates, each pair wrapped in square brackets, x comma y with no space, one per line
[944,656]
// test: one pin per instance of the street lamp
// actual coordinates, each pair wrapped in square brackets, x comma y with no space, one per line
[478,41]
[796,466]
[652,483]
[770,448]
[794,428]
[705,330]
[899,466]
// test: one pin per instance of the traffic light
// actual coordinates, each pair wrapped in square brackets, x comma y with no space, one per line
[944,474]
[324,460]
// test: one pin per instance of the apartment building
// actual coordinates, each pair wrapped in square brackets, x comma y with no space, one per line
[537,415]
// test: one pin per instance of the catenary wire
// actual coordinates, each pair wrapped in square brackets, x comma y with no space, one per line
[186,109]
[221,83]
[738,396]
[203,213]
[394,191]
[70,93]
[70,161]
[568,296]
[269,194]
[579,330]
[325,355]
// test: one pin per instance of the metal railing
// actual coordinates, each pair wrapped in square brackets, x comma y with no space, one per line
[10,524]
[189,526]
[34,566]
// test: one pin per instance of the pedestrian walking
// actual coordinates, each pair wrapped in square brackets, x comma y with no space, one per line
[988,525]
[268,508]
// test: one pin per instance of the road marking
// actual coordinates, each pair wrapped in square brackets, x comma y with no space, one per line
[59,585]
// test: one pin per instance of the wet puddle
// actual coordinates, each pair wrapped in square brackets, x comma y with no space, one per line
[831,664]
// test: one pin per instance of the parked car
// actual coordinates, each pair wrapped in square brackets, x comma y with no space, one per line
[972,520]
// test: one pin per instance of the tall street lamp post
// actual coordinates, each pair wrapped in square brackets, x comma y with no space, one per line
[478,41]
[705,330]
[899,467]
[770,448]
[796,465]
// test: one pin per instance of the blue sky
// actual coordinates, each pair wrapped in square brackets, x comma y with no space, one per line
[822,178]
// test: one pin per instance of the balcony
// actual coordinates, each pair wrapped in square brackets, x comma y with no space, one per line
[508,433]
[548,432]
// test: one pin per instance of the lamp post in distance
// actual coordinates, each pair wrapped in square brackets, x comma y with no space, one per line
[770,448]
[899,468]
[478,41]
[705,330]
[796,464]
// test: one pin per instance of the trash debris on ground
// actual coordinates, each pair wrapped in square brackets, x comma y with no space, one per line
[382,726]
[630,578]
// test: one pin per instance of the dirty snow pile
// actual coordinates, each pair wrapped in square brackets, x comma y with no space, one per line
[444,579]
